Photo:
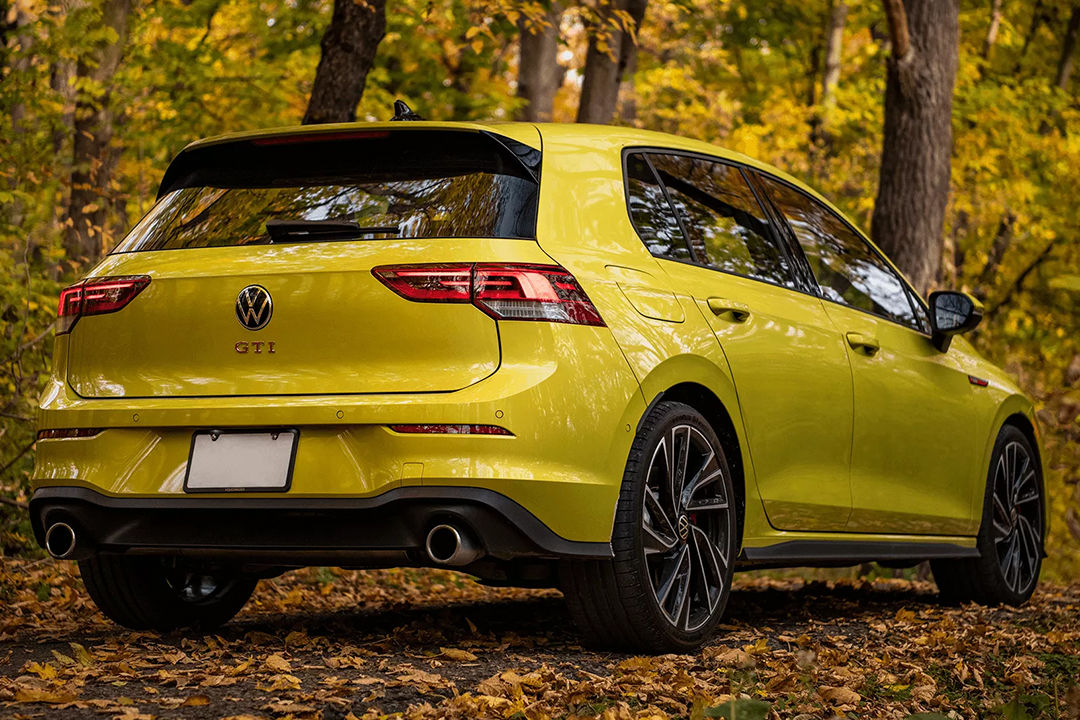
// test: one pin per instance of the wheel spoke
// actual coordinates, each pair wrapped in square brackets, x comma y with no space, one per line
[680,457]
[1030,542]
[675,575]
[702,575]
[1020,478]
[685,592]
[999,508]
[1030,497]
[712,557]
[660,533]
[1010,462]
[1011,569]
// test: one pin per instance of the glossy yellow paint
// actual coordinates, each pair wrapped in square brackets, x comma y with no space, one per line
[831,444]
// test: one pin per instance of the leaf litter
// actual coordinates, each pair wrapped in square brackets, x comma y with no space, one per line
[422,644]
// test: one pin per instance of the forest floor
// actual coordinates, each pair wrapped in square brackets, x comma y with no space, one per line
[333,644]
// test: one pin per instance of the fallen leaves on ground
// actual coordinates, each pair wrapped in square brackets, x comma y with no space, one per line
[335,645]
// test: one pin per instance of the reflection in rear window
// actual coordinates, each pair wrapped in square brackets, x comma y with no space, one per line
[393,185]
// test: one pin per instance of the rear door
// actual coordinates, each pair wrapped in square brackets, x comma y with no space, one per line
[914,443]
[789,366]
[261,256]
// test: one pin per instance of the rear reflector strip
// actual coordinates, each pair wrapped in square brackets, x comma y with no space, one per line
[62,433]
[441,429]
[503,291]
[97,296]
[978,381]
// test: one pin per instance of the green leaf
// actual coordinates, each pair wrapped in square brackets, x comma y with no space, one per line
[1013,710]
[744,709]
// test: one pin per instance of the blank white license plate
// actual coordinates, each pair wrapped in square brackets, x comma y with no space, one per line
[241,461]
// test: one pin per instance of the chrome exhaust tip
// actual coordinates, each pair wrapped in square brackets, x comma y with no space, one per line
[60,541]
[446,545]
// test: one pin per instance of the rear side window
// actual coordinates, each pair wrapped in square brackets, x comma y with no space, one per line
[651,213]
[846,267]
[368,185]
[727,227]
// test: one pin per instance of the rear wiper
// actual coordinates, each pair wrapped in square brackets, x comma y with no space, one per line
[317,230]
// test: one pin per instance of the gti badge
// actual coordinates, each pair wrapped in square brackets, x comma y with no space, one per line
[254,307]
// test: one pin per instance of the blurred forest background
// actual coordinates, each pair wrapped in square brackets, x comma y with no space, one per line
[100,94]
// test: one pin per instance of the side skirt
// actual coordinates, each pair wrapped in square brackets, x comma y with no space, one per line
[838,553]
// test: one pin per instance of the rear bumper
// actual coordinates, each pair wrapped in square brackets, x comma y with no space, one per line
[389,529]
[569,400]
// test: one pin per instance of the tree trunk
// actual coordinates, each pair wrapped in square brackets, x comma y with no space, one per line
[830,78]
[834,53]
[610,53]
[913,189]
[539,74]
[1068,49]
[992,29]
[93,158]
[1038,17]
[348,52]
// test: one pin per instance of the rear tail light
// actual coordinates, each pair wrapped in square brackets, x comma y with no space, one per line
[505,292]
[443,429]
[97,296]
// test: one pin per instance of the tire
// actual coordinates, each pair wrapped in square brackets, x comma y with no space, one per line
[668,583]
[1010,540]
[153,593]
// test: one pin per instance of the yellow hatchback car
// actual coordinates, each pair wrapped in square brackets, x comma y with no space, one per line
[613,361]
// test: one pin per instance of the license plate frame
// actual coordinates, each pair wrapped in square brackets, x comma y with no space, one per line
[239,456]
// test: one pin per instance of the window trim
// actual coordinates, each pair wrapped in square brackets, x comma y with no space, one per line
[909,292]
[799,283]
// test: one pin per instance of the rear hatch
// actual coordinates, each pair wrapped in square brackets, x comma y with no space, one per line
[260,255]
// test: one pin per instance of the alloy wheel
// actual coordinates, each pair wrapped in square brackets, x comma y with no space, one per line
[1017,517]
[687,528]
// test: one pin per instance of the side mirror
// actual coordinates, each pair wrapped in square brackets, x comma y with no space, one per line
[952,313]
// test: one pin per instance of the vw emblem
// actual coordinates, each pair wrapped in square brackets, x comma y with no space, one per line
[254,307]
[684,527]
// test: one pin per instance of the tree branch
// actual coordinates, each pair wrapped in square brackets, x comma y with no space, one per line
[1018,285]
[15,459]
[14,503]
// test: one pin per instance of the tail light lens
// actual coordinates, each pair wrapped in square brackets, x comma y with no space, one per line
[429,283]
[442,429]
[64,433]
[505,292]
[97,296]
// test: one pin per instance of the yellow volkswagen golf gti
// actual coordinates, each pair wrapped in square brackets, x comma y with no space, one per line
[612,361]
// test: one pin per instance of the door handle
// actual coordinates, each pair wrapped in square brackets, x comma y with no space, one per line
[866,344]
[739,312]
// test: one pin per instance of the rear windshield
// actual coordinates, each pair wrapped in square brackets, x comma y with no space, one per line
[359,186]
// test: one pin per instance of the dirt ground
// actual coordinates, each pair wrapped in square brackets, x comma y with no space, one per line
[334,644]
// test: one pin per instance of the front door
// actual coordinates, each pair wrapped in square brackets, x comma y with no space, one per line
[914,433]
